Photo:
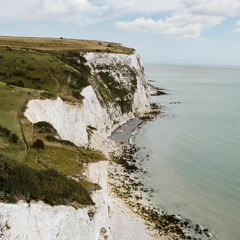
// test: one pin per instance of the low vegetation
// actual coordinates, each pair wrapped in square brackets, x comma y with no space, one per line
[111,90]
[155,110]
[20,182]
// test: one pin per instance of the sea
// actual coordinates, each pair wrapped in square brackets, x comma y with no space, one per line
[191,153]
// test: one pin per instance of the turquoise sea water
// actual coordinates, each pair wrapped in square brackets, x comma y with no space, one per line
[194,152]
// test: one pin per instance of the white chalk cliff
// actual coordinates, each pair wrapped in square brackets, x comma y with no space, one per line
[108,219]
[99,110]
[102,113]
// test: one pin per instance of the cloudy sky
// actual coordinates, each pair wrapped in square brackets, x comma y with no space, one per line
[172,31]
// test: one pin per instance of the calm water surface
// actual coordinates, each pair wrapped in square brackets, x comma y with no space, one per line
[194,152]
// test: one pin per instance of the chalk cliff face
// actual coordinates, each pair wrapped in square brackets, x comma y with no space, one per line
[117,92]
[39,221]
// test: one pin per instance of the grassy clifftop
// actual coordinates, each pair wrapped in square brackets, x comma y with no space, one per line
[61,44]
[43,68]
[53,65]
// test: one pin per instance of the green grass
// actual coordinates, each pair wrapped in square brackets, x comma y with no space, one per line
[62,159]
[55,72]
[12,100]
[64,156]
[61,155]
[32,69]
[12,150]
[11,103]
[67,160]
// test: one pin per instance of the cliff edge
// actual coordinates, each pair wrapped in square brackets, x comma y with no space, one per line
[62,99]
[117,92]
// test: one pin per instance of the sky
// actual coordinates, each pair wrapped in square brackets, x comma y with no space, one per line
[169,32]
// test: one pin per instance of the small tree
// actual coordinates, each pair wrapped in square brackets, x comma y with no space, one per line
[39,144]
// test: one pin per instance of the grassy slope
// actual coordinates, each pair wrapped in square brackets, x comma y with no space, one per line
[32,69]
[12,99]
[46,67]
[63,156]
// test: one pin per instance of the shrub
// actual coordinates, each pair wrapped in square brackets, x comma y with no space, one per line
[47,127]
[77,95]
[14,138]
[52,138]
[18,73]
[19,83]
[39,144]
[6,133]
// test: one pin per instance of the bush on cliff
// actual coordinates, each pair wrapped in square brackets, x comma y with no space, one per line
[20,182]
[6,133]
[39,144]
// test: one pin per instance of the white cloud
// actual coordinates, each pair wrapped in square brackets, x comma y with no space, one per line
[213,7]
[187,26]
[125,6]
[75,11]
[185,18]
[15,9]
[237,26]
[69,7]
[79,12]
[169,27]
[189,21]
[144,6]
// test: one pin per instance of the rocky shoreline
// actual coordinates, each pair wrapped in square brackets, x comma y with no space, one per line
[125,184]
